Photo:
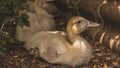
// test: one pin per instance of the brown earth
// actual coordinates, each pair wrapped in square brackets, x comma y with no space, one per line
[18,57]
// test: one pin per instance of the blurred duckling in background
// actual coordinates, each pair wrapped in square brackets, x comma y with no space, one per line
[47,5]
[39,21]
[57,48]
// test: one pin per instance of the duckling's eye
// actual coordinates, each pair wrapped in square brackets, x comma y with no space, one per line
[78,22]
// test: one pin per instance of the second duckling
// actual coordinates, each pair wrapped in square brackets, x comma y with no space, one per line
[69,49]
[39,21]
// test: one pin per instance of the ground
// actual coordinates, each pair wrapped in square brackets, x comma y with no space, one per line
[18,57]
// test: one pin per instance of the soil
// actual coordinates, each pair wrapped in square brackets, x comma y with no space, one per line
[18,57]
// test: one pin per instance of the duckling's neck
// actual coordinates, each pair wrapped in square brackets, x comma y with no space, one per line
[39,10]
[71,35]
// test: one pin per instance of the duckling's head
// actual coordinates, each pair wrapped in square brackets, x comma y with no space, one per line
[78,24]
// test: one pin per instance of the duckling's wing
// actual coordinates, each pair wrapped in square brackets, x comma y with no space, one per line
[56,47]
[51,44]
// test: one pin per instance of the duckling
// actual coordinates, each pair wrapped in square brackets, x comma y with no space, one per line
[39,21]
[47,5]
[57,48]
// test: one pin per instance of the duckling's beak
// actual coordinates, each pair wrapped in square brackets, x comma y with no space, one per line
[92,24]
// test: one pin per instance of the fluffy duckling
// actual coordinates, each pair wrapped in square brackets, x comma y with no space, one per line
[39,21]
[69,49]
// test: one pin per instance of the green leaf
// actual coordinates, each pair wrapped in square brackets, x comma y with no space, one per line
[24,16]
[7,11]
[25,19]
[2,42]
[22,21]
[1,21]
[23,5]
[5,4]
[2,50]
[26,22]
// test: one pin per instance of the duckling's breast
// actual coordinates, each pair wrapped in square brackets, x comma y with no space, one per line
[76,56]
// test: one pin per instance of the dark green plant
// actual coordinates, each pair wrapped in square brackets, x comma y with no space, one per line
[74,7]
[9,16]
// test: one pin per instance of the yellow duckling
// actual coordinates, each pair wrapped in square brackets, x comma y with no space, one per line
[39,21]
[69,49]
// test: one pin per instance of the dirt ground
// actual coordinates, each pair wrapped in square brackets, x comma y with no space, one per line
[18,57]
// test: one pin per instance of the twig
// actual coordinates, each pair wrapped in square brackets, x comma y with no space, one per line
[1,28]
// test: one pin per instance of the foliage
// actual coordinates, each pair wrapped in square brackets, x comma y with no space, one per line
[9,16]
[74,7]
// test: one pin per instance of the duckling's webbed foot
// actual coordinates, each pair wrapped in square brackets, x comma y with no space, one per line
[34,51]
